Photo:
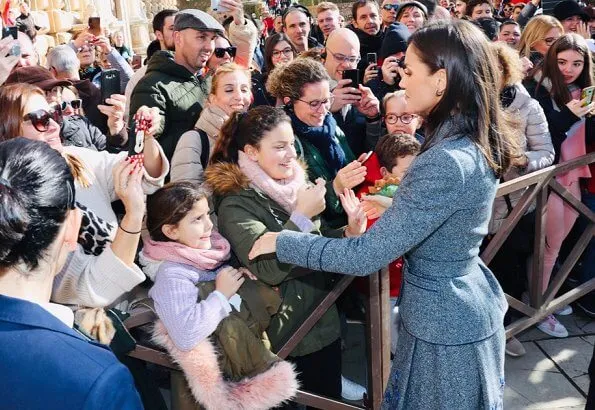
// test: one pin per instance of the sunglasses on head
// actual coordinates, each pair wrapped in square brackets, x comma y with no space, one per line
[40,119]
[220,51]
[75,104]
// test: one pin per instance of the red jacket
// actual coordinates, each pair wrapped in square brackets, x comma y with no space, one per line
[395,269]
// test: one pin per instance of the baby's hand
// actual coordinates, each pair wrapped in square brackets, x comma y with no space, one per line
[228,281]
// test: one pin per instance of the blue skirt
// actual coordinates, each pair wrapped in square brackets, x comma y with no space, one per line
[432,376]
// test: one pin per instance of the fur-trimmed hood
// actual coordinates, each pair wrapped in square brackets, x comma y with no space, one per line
[226,178]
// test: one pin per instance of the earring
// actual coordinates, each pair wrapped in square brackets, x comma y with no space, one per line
[439,93]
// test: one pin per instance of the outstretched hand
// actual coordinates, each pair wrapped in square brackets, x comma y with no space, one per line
[266,244]
[356,216]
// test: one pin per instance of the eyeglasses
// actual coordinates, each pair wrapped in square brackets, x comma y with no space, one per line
[85,48]
[316,104]
[40,119]
[389,7]
[75,104]
[286,52]
[550,40]
[220,51]
[344,59]
[405,118]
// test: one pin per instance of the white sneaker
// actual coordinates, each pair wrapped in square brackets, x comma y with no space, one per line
[564,311]
[552,327]
[350,390]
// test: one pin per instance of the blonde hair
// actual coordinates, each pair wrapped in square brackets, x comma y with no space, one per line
[226,69]
[326,5]
[536,30]
[510,64]
[390,96]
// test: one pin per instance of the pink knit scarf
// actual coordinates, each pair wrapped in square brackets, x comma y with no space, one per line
[203,259]
[284,192]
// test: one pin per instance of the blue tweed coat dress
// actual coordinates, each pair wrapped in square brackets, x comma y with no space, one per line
[450,352]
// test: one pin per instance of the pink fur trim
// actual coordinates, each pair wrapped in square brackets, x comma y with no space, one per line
[200,366]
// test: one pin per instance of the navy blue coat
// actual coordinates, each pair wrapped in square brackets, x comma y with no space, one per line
[46,365]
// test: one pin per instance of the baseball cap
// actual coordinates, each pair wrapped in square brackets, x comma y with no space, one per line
[35,75]
[197,20]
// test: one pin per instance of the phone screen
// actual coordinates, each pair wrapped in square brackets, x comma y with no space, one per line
[95,26]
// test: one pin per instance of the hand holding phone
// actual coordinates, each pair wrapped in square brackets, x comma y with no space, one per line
[352,75]
[215,6]
[587,95]
[110,84]
[95,26]
[372,58]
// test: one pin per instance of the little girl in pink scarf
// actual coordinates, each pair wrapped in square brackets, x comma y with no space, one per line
[205,305]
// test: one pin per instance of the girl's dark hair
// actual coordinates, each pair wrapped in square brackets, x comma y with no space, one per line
[170,204]
[559,91]
[36,192]
[270,43]
[246,128]
[461,49]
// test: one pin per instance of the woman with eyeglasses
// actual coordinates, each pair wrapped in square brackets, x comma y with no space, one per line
[103,268]
[536,38]
[303,88]
[39,226]
[277,50]
[230,92]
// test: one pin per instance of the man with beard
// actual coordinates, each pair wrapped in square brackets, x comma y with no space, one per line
[366,25]
[176,83]
[163,27]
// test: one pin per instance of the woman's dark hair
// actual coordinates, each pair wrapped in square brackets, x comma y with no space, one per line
[36,192]
[247,128]
[288,80]
[170,204]
[559,91]
[270,43]
[472,91]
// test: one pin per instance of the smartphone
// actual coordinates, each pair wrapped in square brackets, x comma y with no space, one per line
[372,58]
[95,26]
[136,139]
[588,94]
[137,61]
[110,84]
[353,75]
[367,157]
[15,50]
[216,7]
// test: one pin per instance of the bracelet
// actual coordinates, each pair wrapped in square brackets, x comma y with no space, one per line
[128,232]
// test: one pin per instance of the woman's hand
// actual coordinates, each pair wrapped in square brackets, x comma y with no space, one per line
[103,45]
[583,30]
[247,273]
[375,205]
[127,184]
[83,39]
[235,9]
[228,281]
[579,108]
[7,61]
[114,112]
[310,199]
[350,176]
[370,73]
[151,115]
[390,70]
[266,244]
[356,217]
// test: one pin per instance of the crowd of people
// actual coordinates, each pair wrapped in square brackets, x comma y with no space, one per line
[230,181]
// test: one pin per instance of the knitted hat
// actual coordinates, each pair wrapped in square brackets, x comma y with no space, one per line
[395,40]
[569,8]
[417,4]
[197,20]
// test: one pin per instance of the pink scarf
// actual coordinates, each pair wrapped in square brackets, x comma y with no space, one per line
[283,192]
[203,259]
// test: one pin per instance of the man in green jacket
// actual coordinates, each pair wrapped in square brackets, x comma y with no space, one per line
[175,82]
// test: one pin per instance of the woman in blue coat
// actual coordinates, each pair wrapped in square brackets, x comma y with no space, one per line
[450,353]
[44,363]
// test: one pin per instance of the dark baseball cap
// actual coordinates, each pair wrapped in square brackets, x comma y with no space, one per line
[36,75]
[197,20]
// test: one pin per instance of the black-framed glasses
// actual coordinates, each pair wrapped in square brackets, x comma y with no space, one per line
[343,58]
[40,119]
[75,104]
[389,7]
[286,52]
[405,118]
[316,104]
[220,51]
